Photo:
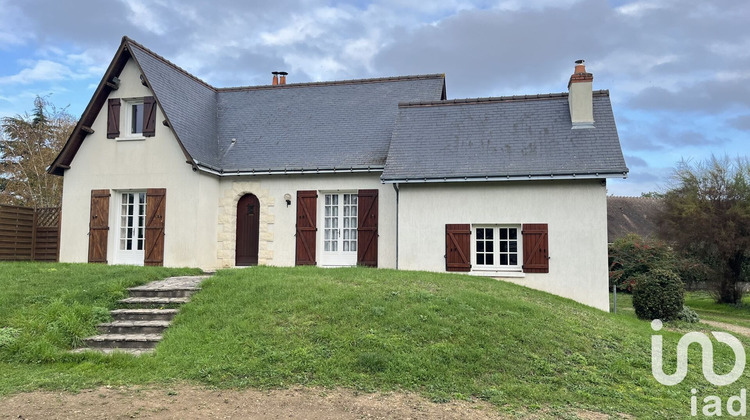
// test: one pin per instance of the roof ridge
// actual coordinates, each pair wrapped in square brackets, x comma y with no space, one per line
[494,99]
[337,82]
[165,61]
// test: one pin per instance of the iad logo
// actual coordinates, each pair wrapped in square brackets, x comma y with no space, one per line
[708,357]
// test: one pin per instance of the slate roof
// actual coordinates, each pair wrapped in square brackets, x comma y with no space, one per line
[188,103]
[316,125]
[400,125]
[502,138]
[639,215]
[303,126]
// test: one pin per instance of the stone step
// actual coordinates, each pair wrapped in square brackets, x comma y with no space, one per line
[129,341]
[154,301]
[133,327]
[143,291]
[143,314]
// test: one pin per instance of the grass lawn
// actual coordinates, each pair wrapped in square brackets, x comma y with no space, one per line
[702,303]
[445,336]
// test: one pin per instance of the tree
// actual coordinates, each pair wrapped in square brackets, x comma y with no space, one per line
[707,215]
[28,144]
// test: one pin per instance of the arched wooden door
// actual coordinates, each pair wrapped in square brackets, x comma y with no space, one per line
[248,230]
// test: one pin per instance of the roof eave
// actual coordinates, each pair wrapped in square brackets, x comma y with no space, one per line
[497,178]
[69,150]
[284,171]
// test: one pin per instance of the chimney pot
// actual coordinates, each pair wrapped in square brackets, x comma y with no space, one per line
[282,79]
[275,78]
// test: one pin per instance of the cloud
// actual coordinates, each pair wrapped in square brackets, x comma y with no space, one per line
[42,71]
[635,161]
[741,122]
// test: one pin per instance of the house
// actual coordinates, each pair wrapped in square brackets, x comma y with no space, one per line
[639,215]
[164,169]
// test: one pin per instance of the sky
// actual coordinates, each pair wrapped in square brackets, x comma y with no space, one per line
[678,71]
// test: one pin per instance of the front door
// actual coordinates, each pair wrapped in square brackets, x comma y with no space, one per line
[131,228]
[248,230]
[339,239]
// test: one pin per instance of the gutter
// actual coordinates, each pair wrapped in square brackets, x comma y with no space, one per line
[395,187]
[597,175]
[296,171]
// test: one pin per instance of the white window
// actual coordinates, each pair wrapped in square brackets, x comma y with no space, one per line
[131,228]
[339,238]
[133,118]
[497,248]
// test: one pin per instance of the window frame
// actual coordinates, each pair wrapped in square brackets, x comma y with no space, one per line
[496,266]
[127,118]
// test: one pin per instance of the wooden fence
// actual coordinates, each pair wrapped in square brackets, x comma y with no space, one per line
[29,235]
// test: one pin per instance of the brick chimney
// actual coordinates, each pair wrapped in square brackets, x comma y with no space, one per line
[580,99]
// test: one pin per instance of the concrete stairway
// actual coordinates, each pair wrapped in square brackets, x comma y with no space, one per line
[138,328]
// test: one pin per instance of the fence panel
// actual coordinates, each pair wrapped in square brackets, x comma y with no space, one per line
[27,235]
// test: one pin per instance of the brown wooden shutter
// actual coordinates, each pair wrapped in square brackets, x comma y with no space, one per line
[156,201]
[149,116]
[535,252]
[367,228]
[98,226]
[113,118]
[457,247]
[307,204]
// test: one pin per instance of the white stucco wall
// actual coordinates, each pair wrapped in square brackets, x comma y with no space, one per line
[277,221]
[575,211]
[153,162]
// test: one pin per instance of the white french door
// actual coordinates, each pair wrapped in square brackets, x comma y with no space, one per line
[339,239]
[131,228]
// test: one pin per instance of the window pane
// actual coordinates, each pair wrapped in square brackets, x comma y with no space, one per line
[490,259]
[354,246]
[480,259]
[513,259]
[513,233]
[489,233]
[503,259]
[328,199]
[513,246]
[480,233]
[480,246]
[503,246]
[346,244]
[503,233]
[137,119]
[490,247]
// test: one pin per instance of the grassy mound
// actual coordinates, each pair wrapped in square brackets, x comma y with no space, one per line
[446,336]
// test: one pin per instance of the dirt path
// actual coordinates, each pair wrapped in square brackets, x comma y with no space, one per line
[729,327]
[190,402]
[185,402]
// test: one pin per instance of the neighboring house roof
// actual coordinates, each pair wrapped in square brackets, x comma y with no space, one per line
[502,138]
[639,215]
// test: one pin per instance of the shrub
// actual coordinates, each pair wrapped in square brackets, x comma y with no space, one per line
[688,315]
[633,255]
[694,273]
[658,294]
